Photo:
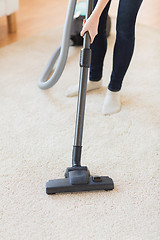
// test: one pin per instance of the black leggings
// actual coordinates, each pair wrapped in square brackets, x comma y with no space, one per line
[124,45]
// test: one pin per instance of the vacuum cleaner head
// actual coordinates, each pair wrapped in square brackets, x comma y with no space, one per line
[78,179]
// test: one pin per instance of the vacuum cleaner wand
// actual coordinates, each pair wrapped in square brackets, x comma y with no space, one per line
[77,178]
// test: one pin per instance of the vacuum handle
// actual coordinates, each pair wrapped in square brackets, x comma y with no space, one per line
[86,40]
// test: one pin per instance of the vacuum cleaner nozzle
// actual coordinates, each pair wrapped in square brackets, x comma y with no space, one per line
[78,179]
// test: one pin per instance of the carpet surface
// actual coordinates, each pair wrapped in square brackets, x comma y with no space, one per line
[36,138]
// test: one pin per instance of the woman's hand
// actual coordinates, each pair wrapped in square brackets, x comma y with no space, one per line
[92,22]
[91,25]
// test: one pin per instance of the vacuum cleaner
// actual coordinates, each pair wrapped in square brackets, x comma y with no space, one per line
[77,178]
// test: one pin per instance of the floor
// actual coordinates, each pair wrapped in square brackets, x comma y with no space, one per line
[36,139]
[38,15]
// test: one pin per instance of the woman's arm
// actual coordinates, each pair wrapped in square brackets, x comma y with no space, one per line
[92,22]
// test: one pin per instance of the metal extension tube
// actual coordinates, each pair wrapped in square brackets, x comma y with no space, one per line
[85,61]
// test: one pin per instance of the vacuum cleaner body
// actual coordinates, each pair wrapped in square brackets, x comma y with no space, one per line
[77,178]
[79,16]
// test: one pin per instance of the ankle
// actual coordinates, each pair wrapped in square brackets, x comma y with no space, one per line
[95,81]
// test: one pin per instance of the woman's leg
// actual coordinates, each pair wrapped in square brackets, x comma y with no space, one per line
[99,46]
[125,38]
[123,51]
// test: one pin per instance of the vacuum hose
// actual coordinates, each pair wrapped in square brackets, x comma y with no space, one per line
[61,52]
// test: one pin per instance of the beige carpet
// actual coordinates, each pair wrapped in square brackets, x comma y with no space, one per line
[36,138]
